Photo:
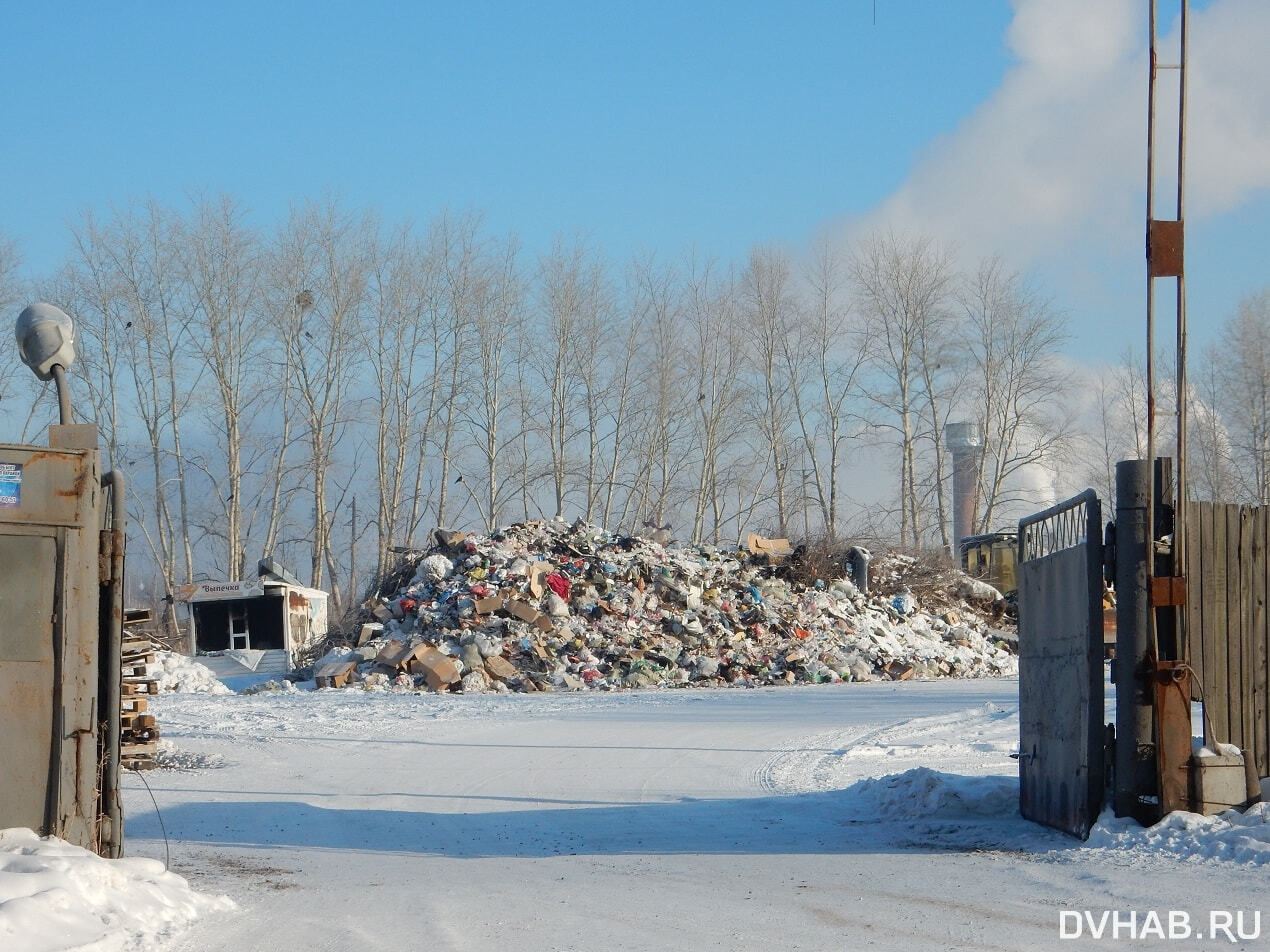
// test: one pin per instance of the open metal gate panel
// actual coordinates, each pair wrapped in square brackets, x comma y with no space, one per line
[1061,734]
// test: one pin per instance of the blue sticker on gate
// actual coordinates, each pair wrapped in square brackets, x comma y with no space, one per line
[10,485]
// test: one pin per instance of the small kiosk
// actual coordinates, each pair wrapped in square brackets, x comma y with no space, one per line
[256,625]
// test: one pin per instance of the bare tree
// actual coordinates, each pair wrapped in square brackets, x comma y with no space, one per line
[497,307]
[1244,388]
[621,388]
[1018,386]
[325,252]
[662,395]
[715,342]
[902,286]
[574,311]
[1211,469]
[140,248]
[16,385]
[824,355]
[769,311]
[222,273]
[459,247]
[399,338]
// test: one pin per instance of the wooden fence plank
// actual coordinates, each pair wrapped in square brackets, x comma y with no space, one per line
[1194,632]
[1247,631]
[1234,622]
[1217,690]
[1260,741]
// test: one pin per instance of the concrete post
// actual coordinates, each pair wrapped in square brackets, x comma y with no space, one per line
[1135,734]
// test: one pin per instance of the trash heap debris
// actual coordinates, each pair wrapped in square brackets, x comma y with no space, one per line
[547,606]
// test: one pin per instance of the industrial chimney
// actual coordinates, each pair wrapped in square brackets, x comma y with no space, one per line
[965,442]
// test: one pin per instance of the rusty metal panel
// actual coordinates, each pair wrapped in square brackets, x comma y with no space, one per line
[1173,733]
[50,487]
[1164,248]
[1168,591]
[50,501]
[26,676]
[1061,715]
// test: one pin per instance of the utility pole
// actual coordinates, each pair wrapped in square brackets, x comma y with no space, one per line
[1151,672]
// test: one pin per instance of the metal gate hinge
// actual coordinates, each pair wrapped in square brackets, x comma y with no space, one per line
[105,553]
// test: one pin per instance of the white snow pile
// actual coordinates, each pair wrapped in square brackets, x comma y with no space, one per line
[923,793]
[54,896]
[1230,835]
[178,672]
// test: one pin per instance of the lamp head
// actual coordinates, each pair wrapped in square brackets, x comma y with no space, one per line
[46,337]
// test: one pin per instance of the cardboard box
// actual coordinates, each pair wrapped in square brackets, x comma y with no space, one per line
[437,668]
[395,655]
[775,548]
[899,670]
[500,668]
[484,606]
[538,573]
[335,674]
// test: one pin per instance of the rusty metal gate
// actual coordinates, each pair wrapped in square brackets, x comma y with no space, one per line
[1061,734]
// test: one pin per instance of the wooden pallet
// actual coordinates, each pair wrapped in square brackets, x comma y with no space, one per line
[138,730]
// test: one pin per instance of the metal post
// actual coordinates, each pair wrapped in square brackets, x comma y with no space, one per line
[1153,67]
[1181,495]
[1135,748]
[109,665]
[63,394]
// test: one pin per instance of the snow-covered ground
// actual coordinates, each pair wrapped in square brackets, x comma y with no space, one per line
[876,815]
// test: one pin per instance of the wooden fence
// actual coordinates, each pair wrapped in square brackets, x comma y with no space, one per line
[1228,621]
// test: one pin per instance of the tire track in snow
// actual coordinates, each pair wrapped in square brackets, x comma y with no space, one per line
[806,764]
[831,760]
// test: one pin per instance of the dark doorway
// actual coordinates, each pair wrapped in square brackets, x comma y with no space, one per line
[255,623]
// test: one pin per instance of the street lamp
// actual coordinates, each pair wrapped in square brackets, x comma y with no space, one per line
[46,341]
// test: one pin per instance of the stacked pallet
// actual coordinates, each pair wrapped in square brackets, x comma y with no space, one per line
[138,732]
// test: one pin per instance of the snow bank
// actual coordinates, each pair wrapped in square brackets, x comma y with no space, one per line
[955,771]
[923,793]
[1231,835]
[57,896]
[177,672]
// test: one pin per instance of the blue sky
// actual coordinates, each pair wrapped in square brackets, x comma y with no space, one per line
[653,126]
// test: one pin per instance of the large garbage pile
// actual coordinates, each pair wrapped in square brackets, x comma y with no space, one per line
[547,606]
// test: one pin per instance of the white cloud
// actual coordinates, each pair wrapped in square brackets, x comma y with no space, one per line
[1056,156]
[1228,104]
